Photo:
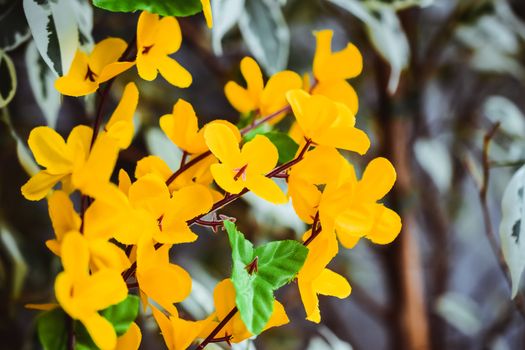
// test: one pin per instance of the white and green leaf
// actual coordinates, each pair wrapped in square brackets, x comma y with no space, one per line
[512,227]
[226,14]
[15,30]
[8,82]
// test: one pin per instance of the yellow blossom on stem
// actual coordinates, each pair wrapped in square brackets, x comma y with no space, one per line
[157,38]
[246,167]
[178,333]
[131,339]
[314,278]
[158,279]
[332,69]
[82,295]
[69,161]
[87,72]
[352,208]
[326,122]
[258,97]
[235,330]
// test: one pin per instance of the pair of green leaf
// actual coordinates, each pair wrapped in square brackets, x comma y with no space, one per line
[161,7]
[53,329]
[258,272]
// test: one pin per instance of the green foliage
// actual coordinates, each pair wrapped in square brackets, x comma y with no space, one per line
[123,314]
[161,7]
[52,329]
[271,265]
[286,146]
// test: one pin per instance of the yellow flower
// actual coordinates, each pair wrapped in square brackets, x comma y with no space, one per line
[156,39]
[257,97]
[102,253]
[120,126]
[314,278]
[147,210]
[224,299]
[82,295]
[326,122]
[88,72]
[158,279]
[321,166]
[206,8]
[244,168]
[71,162]
[178,333]
[352,208]
[332,69]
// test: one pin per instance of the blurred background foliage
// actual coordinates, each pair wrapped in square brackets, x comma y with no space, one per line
[442,81]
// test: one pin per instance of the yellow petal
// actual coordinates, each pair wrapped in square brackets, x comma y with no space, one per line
[174,73]
[206,8]
[224,177]
[124,181]
[278,317]
[239,97]
[152,165]
[253,76]
[50,150]
[147,67]
[38,186]
[166,285]
[106,255]
[182,128]
[113,69]
[332,284]
[386,227]
[101,331]
[310,301]
[273,97]
[75,254]
[131,339]
[266,189]
[260,154]
[222,143]
[165,326]
[79,143]
[101,290]
[305,198]
[189,202]
[339,91]
[377,180]
[348,138]
[174,232]
[63,216]
[64,294]
[329,66]
[146,29]
[124,114]
[168,36]
[105,52]
[151,194]
[224,299]
[356,220]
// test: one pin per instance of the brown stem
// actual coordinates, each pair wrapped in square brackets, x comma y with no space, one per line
[217,329]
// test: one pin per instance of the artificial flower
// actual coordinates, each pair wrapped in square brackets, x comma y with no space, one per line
[82,295]
[244,168]
[87,72]
[157,38]
[258,97]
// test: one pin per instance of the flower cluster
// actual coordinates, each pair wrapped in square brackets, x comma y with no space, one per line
[114,239]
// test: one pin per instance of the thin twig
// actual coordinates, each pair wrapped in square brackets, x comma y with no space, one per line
[489,232]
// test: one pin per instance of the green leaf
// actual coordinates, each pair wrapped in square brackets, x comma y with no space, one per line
[276,263]
[52,329]
[161,7]
[123,314]
[512,229]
